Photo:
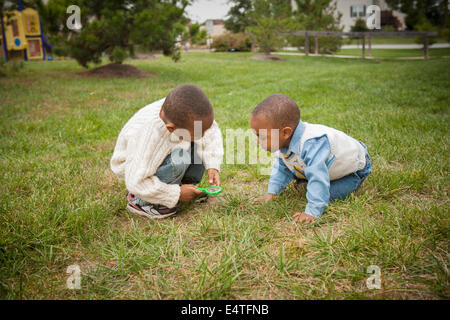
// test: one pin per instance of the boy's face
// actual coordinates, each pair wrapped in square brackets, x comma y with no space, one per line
[198,127]
[194,131]
[270,138]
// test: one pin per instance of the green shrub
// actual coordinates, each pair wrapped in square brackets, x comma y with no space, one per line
[10,67]
[118,54]
[327,45]
[227,41]
[2,67]
[425,26]
[359,26]
[388,28]
[445,34]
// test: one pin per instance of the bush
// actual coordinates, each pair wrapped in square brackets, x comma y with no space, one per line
[61,48]
[2,67]
[118,54]
[327,45]
[445,34]
[425,26]
[388,28]
[10,67]
[359,26]
[227,41]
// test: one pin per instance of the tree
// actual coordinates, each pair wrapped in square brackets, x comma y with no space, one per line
[418,11]
[116,27]
[239,16]
[318,15]
[359,26]
[270,16]
[194,35]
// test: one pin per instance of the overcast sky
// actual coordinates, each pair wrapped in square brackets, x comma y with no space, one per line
[202,10]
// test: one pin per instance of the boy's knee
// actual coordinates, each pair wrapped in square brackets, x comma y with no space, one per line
[173,167]
[181,159]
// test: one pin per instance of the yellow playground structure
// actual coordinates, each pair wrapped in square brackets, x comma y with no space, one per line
[21,36]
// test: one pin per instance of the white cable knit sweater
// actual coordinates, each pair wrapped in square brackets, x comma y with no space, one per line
[143,144]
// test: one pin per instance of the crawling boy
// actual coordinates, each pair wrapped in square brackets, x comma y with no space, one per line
[164,149]
[332,163]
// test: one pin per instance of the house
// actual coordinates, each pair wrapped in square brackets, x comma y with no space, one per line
[214,27]
[351,10]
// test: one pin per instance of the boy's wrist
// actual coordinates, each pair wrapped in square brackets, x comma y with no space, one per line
[212,165]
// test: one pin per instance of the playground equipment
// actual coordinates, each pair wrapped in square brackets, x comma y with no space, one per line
[21,36]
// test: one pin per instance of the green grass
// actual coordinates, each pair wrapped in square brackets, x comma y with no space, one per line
[397,53]
[60,204]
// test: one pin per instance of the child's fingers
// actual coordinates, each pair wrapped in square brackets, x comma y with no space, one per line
[214,178]
[196,191]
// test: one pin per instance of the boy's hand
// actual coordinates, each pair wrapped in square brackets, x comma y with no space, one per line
[266,197]
[213,177]
[189,192]
[303,218]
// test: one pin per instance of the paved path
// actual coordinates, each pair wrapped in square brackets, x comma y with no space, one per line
[345,56]
[386,46]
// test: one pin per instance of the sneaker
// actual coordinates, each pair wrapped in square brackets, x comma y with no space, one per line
[202,198]
[149,210]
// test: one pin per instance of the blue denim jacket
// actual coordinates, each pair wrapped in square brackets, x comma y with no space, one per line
[315,154]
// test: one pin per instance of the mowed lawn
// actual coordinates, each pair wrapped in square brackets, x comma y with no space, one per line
[61,205]
[397,53]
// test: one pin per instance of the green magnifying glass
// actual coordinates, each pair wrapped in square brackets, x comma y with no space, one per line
[212,190]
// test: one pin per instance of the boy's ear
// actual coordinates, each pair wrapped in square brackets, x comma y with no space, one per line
[286,132]
[171,127]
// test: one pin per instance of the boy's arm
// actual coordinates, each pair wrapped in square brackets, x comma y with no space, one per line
[315,154]
[145,153]
[212,148]
[279,178]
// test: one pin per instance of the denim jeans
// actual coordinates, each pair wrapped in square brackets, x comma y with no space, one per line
[341,188]
[180,166]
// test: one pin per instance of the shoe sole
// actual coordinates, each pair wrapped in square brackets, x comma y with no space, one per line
[142,213]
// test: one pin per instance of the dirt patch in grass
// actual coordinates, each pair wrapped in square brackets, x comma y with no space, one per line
[23,81]
[104,146]
[108,181]
[50,107]
[266,57]
[394,165]
[117,70]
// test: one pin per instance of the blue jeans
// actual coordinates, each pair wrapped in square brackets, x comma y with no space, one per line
[179,167]
[341,188]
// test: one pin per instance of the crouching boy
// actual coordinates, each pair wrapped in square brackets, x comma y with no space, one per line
[164,149]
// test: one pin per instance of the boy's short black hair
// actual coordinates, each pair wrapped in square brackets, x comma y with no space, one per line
[281,110]
[185,104]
